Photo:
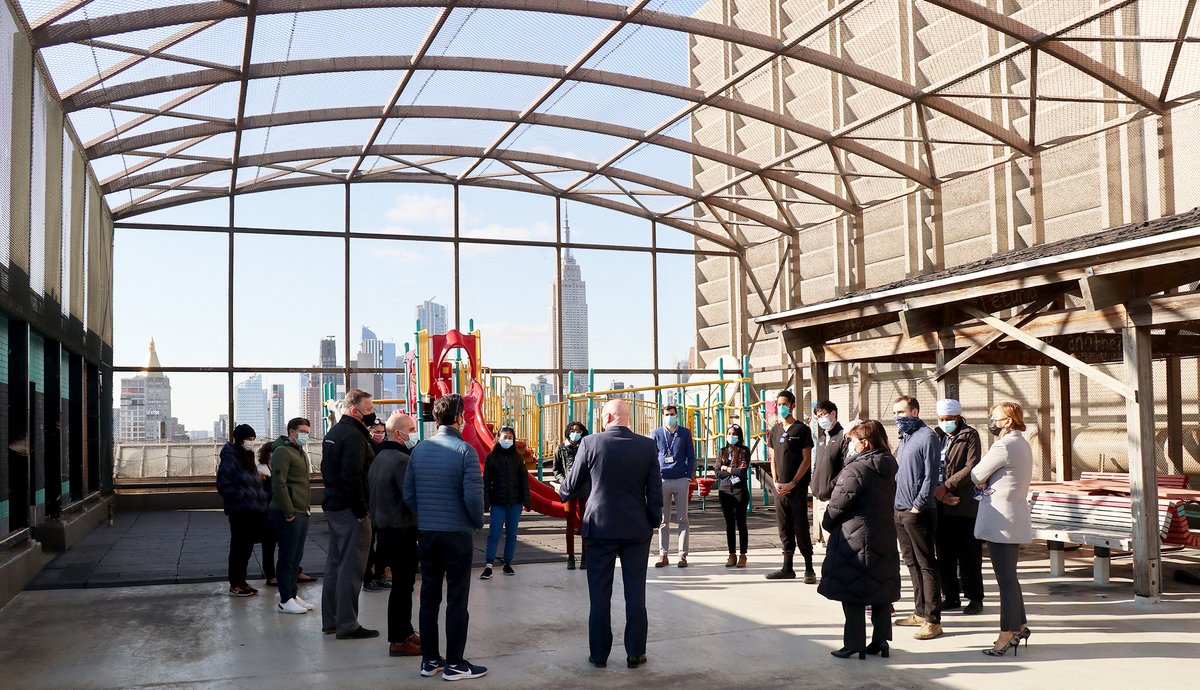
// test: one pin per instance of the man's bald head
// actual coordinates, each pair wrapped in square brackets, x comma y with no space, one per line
[615,413]
[400,422]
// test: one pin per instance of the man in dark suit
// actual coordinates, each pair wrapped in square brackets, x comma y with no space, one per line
[622,512]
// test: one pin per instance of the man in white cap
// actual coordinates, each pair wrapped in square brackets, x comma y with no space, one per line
[959,553]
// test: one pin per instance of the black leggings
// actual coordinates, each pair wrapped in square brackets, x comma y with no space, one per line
[733,506]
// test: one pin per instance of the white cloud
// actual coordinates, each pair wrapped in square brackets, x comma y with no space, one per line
[398,255]
[539,231]
[546,149]
[422,210]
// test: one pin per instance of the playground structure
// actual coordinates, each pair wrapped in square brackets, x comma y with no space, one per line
[452,363]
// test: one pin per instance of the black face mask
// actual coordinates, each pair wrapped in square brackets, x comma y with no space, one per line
[993,429]
[369,420]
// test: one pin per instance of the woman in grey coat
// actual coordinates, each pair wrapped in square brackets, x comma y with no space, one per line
[1002,489]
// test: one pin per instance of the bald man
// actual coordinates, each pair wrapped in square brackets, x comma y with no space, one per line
[397,529]
[623,510]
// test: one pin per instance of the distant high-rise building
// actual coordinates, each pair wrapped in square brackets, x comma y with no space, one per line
[574,318]
[311,406]
[250,406]
[328,360]
[221,427]
[542,386]
[145,406]
[433,317]
[278,424]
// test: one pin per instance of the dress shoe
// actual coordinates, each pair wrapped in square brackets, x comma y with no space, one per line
[846,653]
[570,562]
[635,661]
[405,648]
[973,608]
[682,561]
[782,574]
[731,561]
[950,605]
[662,562]
[597,664]
[359,633]
[880,648]
[810,577]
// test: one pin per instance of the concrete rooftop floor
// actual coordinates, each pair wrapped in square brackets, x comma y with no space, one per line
[709,627]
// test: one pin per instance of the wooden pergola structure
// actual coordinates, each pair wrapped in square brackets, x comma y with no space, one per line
[1121,295]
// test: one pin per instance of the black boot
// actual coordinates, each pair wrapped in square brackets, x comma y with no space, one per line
[786,572]
[570,562]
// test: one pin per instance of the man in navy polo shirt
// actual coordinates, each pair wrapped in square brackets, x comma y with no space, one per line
[676,464]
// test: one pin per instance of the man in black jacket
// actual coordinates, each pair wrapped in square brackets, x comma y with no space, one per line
[345,455]
[827,459]
[959,553]
[396,530]
[624,509]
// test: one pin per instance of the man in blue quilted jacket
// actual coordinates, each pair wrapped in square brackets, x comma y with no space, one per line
[444,489]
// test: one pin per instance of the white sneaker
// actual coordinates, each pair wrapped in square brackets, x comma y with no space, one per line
[307,605]
[292,606]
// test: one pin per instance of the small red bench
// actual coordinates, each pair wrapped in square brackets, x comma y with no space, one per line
[1165,481]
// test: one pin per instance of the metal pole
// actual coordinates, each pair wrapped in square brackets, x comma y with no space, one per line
[558,305]
[346,279]
[591,402]
[654,292]
[229,324]
[746,424]
[539,436]
[570,402]
[457,263]
[417,392]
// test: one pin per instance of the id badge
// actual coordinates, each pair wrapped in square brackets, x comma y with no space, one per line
[668,459]
[734,481]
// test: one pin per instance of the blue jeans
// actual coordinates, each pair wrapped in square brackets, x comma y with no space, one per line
[503,517]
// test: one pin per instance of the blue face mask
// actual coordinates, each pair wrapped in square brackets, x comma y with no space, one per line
[301,440]
[948,426]
[670,420]
[852,451]
[575,436]
[784,410]
[908,425]
[731,439]
[506,443]
[825,423]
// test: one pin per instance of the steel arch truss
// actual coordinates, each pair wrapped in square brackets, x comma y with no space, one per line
[810,164]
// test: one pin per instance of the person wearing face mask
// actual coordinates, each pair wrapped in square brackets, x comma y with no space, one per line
[919,460]
[444,488]
[396,529]
[245,502]
[505,494]
[862,565]
[374,578]
[827,459]
[288,511]
[564,457]
[345,454]
[733,464]
[625,506]
[677,464]
[1002,481]
[958,551]
[791,460]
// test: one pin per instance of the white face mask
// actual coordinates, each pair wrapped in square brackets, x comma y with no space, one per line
[248,444]
[302,439]
[411,441]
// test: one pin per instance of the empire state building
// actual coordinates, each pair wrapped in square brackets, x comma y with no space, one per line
[574,318]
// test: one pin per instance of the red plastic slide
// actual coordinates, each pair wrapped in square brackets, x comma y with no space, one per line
[543,498]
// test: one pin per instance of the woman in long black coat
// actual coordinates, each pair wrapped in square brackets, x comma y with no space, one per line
[862,562]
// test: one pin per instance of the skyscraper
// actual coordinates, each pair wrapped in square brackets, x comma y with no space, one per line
[277,420]
[250,406]
[221,427]
[145,405]
[433,317]
[310,406]
[370,356]
[328,360]
[574,318]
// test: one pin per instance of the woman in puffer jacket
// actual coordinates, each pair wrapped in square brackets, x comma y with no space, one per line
[245,501]
[862,563]
[505,495]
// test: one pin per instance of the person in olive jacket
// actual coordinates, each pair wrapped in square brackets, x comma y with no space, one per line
[505,495]
[959,553]
[733,463]
[288,510]
[862,562]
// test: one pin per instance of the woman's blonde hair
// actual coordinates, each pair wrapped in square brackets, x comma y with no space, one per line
[1014,412]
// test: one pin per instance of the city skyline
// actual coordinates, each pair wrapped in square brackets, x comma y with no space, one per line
[573,351]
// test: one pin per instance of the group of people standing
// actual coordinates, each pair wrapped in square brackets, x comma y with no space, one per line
[931,504]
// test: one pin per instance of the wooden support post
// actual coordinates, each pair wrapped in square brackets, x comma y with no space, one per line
[1143,478]
[1063,453]
[862,391]
[1174,376]
[819,376]
[947,385]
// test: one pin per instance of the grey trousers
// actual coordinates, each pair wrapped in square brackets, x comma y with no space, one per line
[1012,602]
[349,541]
[677,489]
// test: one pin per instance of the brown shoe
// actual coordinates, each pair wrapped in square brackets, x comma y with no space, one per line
[913,621]
[731,561]
[662,562]
[682,562]
[409,647]
[928,631]
[741,561]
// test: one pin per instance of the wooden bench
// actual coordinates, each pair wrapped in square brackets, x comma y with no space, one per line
[1102,522]
[1166,481]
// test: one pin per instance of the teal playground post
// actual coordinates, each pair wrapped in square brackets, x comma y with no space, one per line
[762,394]
[539,438]
[420,423]
[567,398]
[591,401]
